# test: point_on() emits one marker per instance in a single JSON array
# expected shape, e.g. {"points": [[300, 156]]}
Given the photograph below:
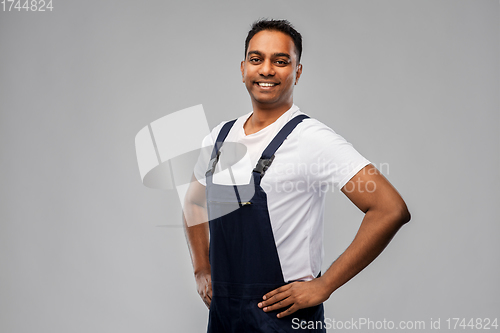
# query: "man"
{"points": [[263, 270]]}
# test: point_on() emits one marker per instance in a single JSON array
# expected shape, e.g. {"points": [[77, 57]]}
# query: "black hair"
{"points": [[276, 25]]}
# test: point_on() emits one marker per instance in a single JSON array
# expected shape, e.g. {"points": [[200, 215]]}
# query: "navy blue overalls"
{"points": [[243, 256]]}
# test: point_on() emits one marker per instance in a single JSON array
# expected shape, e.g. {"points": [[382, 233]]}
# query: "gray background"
{"points": [[83, 244]]}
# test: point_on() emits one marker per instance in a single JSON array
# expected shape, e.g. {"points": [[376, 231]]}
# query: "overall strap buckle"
{"points": [[263, 164], [213, 164]]}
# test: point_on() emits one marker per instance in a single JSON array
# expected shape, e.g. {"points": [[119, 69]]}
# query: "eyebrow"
{"points": [[279, 54]]}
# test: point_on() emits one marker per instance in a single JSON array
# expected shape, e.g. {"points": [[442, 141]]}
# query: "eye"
{"points": [[281, 62], [254, 60]]}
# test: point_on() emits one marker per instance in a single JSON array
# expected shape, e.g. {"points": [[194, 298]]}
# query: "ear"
{"points": [[242, 68], [298, 73]]}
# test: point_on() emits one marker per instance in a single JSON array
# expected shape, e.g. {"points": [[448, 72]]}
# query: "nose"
{"points": [[266, 69]]}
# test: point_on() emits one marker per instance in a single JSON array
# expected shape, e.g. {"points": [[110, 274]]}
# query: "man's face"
{"points": [[270, 69]]}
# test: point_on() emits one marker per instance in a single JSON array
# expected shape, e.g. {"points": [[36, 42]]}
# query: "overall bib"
{"points": [[243, 256]]}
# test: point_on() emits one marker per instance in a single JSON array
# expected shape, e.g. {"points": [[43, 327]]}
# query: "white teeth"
{"points": [[265, 84]]}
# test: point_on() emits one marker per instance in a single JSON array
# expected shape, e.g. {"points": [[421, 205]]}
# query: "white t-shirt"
{"points": [[309, 162]]}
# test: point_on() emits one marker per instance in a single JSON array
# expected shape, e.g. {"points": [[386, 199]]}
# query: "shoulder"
{"points": [[311, 124], [312, 130]]}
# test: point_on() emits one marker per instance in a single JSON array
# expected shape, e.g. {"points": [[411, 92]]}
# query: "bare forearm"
{"points": [[374, 234], [197, 237]]}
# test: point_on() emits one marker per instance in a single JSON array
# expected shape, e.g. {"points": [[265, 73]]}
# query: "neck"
{"points": [[263, 116]]}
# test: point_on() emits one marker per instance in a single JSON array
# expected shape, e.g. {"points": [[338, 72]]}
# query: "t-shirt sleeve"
{"points": [[331, 159]]}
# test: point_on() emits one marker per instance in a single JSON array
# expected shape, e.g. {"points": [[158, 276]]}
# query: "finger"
{"points": [[275, 298], [207, 288], [279, 305], [288, 311], [209, 291], [207, 299], [207, 303], [276, 291]]}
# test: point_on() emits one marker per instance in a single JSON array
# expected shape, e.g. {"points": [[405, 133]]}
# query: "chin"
{"points": [[266, 100]]}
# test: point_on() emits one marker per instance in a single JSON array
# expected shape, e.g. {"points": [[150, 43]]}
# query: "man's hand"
{"points": [[297, 294], [204, 286]]}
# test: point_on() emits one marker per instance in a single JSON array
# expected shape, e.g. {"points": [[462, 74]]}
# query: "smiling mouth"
{"points": [[266, 84]]}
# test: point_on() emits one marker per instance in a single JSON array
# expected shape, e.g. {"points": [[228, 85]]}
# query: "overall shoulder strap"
{"points": [[218, 143], [267, 156]]}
